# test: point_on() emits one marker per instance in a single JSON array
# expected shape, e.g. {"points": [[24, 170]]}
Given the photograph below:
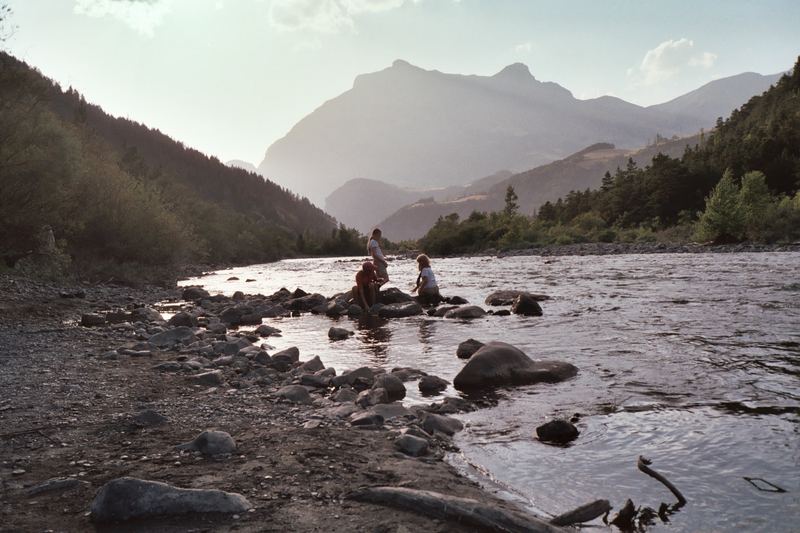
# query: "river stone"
{"points": [[465, 312], [345, 395], [182, 319], [432, 385], [195, 293], [210, 443], [118, 316], [305, 303], [290, 354], [400, 310], [238, 296], [366, 419], [557, 431], [146, 314], [55, 485], [467, 348], [456, 300], [294, 393], [314, 380], [335, 309], [265, 330], [392, 410], [525, 305], [506, 297], [441, 311], [126, 498], [443, 424], [498, 364], [393, 385], [349, 378], [411, 445], [407, 373], [90, 320], [172, 337], [312, 365], [354, 311], [211, 379], [393, 295], [372, 397], [339, 334]]}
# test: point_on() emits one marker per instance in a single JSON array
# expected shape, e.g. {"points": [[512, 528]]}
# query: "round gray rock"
{"points": [[210, 442], [467, 348], [465, 312]]}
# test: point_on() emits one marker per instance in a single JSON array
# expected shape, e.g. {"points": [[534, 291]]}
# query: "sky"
{"points": [[229, 77]]}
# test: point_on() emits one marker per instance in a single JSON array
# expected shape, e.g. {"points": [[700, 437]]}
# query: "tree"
{"points": [[512, 206], [722, 219], [754, 203]]}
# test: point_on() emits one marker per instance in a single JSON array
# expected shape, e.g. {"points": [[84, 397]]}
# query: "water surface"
{"points": [[692, 360]]}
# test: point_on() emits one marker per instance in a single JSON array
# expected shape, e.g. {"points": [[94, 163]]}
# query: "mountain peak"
{"points": [[401, 63], [517, 71]]}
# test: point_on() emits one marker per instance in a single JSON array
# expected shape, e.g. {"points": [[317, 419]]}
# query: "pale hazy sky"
{"points": [[229, 77]]}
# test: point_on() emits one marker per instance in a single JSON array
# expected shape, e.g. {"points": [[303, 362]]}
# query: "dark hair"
{"points": [[377, 230]]}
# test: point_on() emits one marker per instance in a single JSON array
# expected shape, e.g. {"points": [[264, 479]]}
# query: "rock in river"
{"points": [[525, 305], [498, 364], [467, 348], [126, 498], [210, 443], [400, 310], [466, 311], [507, 297], [432, 385], [339, 334], [195, 293], [443, 424], [558, 431], [393, 385]]}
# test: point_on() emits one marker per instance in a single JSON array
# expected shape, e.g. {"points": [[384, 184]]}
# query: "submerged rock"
{"points": [[499, 364], [400, 310], [210, 442], [432, 385], [467, 348], [506, 297], [126, 498], [465, 312], [339, 334], [558, 431], [525, 305]]}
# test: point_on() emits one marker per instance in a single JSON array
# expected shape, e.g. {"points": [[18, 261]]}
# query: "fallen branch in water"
{"points": [[643, 465], [462, 510], [584, 513]]}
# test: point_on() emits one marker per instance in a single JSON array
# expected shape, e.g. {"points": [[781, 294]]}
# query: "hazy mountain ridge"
{"points": [[412, 127]]}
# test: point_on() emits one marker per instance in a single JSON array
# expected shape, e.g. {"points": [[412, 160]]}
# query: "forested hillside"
{"points": [[116, 192], [757, 149]]}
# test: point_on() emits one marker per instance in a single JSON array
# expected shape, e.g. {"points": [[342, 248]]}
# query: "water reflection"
{"points": [[427, 329], [375, 334]]}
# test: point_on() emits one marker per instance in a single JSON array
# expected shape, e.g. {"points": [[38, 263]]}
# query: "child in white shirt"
{"points": [[426, 282]]}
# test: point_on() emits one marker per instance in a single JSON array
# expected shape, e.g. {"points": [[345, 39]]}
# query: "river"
{"points": [[691, 360]]}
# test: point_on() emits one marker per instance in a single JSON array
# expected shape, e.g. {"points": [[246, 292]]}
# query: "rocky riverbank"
{"points": [[102, 389], [616, 248]]}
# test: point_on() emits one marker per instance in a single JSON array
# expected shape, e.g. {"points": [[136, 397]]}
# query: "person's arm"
{"points": [[362, 297]]}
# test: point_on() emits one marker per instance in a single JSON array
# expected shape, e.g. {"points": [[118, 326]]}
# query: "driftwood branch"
{"points": [[584, 513], [462, 510], [644, 465]]}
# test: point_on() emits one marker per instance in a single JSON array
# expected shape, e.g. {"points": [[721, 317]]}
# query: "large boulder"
{"points": [[525, 305], [126, 498], [506, 297], [393, 385], [400, 310], [498, 364], [393, 296], [465, 312]]}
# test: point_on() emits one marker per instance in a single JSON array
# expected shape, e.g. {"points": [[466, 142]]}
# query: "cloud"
{"points": [[141, 15], [524, 48], [669, 59], [325, 16]]}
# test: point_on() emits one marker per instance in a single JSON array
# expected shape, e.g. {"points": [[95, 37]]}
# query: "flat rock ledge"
{"points": [[500, 364], [128, 498]]}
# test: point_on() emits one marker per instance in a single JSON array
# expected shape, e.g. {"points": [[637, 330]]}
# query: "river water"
{"points": [[692, 360]]}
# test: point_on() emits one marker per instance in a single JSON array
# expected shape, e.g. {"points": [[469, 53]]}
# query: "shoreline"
{"points": [[600, 248], [74, 416]]}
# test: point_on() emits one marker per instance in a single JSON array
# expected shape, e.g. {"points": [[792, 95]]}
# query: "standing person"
{"points": [[426, 282], [374, 249], [364, 293]]}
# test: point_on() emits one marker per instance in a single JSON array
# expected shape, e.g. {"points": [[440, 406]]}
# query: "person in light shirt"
{"points": [[426, 285], [374, 249]]}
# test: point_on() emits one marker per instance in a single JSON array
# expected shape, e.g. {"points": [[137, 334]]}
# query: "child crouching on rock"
{"points": [[426, 286], [367, 283]]}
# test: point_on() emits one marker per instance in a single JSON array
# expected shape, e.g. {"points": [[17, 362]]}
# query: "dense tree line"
{"points": [[757, 150], [117, 193]]}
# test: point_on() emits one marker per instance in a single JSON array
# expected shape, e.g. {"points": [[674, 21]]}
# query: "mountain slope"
{"points": [[112, 190], [411, 127], [582, 170], [719, 97]]}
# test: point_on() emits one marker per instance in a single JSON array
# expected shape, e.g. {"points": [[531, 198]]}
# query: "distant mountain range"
{"points": [[424, 129], [582, 170]]}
